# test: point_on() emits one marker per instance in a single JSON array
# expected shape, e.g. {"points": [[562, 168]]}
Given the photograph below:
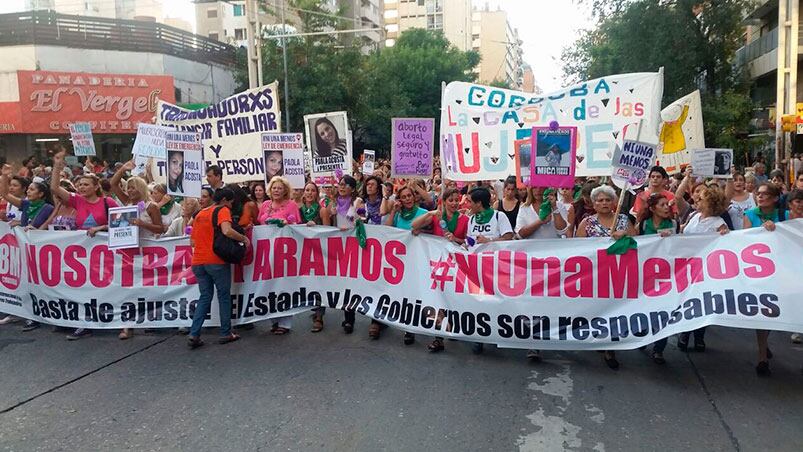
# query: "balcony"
{"points": [[759, 57], [64, 30]]}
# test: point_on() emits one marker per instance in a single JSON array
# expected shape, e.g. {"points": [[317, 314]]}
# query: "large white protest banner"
{"points": [[480, 124], [231, 130], [681, 131], [548, 296]]}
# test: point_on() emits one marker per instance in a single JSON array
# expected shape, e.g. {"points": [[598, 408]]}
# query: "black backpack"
{"points": [[229, 250]]}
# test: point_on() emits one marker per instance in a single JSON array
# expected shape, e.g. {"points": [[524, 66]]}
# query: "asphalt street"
{"points": [[328, 391]]}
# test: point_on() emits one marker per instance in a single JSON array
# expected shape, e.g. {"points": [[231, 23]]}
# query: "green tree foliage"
{"points": [[406, 81], [693, 40]]}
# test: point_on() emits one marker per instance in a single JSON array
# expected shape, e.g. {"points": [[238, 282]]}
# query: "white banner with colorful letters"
{"points": [[231, 130], [480, 124], [545, 294]]}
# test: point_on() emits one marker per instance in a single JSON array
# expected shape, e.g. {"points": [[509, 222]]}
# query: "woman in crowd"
{"points": [[244, 211], [313, 213], [344, 213], [778, 178], [377, 203], [280, 207], [750, 183], [63, 216], [657, 217], [136, 194], [327, 139], [150, 216], [211, 272], [604, 223], [91, 209], [565, 206], [582, 208], [740, 199], [446, 222], [17, 187], [35, 208], [168, 206], [509, 204], [486, 225], [538, 219], [258, 194], [766, 214], [405, 211], [206, 197], [178, 227], [711, 204], [687, 199]]}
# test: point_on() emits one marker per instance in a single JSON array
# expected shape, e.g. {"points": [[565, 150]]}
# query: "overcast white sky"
{"points": [[545, 26]]}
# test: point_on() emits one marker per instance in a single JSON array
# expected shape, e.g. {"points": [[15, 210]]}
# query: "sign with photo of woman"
{"points": [[185, 169], [328, 143]]}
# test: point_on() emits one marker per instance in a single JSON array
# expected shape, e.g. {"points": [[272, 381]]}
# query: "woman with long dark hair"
{"points": [[327, 139]]}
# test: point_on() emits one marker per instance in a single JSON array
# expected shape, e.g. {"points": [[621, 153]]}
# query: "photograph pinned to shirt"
{"points": [[712, 162], [123, 233], [523, 154], [328, 143], [553, 163], [368, 160], [185, 166], [81, 136], [283, 154]]}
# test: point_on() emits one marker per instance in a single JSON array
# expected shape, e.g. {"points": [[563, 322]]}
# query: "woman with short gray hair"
{"points": [[604, 223]]}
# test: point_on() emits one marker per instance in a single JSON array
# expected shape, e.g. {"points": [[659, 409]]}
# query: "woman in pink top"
{"points": [[91, 209], [279, 206]]}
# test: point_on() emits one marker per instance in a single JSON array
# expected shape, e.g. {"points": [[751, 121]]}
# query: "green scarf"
{"points": [[772, 216], [622, 246], [649, 227], [165, 209], [546, 207], [359, 232], [408, 215], [451, 224], [310, 213], [33, 209], [484, 216]]}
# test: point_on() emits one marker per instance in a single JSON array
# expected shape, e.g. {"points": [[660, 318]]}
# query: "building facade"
{"points": [[56, 69], [150, 10], [771, 41], [453, 17], [499, 46]]}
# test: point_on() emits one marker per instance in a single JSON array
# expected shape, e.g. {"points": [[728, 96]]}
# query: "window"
{"points": [[214, 35], [211, 13], [239, 10], [239, 34]]}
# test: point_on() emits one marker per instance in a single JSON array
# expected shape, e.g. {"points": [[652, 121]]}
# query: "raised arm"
{"points": [[55, 179], [4, 176], [115, 181]]}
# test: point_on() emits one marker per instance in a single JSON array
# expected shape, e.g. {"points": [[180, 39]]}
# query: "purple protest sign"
{"points": [[412, 141]]}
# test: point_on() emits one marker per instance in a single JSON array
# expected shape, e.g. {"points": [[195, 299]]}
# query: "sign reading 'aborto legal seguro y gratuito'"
{"points": [[412, 142]]}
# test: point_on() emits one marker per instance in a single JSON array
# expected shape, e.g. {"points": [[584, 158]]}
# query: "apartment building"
{"points": [[365, 14], [453, 17], [150, 10], [499, 46]]}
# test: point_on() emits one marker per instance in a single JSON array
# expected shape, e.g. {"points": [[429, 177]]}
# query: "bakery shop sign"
{"points": [[111, 103]]}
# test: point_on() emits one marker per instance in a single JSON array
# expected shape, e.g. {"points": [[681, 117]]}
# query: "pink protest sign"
{"points": [[553, 157], [412, 141]]}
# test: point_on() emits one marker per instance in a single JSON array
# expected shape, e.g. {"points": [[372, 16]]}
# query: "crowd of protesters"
{"points": [[54, 195]]}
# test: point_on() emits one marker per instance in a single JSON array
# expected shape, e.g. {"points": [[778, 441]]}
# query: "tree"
{"points": [[406, 81], [693, 40]]}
